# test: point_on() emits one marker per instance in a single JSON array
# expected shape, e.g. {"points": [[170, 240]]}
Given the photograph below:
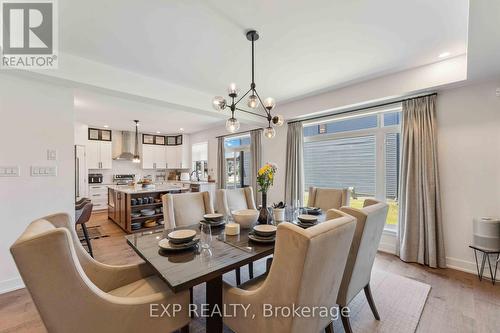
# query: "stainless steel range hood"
{"points": [[125, 145]]}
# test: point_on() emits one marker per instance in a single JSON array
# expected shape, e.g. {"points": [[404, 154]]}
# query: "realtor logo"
{"points": [[28, 34]]}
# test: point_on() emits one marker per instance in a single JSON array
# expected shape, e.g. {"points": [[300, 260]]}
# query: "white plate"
{"points": [[261, 240], [213, 217], [264, 230], [166, 245]]}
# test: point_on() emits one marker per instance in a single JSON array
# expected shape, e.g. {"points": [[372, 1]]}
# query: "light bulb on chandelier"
{"points": [[269, 132], [232, 125]]}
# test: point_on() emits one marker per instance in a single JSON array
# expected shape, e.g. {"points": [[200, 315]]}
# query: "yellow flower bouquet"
{"points": [[265, 176]]}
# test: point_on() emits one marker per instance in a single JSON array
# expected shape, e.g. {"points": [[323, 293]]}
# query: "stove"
{"points": [[123, 179]]}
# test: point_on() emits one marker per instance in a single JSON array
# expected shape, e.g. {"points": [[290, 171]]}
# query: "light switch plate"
{"points": [[51, 154], [43, 171], [9, 171]]}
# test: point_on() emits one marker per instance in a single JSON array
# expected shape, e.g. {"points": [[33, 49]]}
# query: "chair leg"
{"points": [[345, 321], [87, 239], [250, 270], [185, 329], [329, 328], [269, 262], [238, 276], [190, 302], [369, 297]]}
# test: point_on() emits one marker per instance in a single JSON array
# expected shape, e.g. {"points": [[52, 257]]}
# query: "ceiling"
{"points": [[99, 110], [305, 46]]}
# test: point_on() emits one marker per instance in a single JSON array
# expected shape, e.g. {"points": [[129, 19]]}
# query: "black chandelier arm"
{"points": [[268, 112], [250, 112], [243, 96]]}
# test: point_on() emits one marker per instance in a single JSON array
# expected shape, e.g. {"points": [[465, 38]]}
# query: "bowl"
{"points": [[264, 230], [213, 217], [307, 218], [181, 236], [246, 218]]}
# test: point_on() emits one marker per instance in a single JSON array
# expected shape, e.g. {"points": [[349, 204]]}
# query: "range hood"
{"points": [[125, 145]]}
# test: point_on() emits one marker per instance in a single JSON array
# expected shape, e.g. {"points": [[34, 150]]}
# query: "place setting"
{"points": [[263, 233], [179, 240], [312, 211], [213, 220], [306, 221]]}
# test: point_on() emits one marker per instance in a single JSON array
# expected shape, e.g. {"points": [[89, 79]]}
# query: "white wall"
{"points": [[469, 164], [35, 116]]}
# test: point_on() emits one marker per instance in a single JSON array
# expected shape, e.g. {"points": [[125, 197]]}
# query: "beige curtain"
{"points": [[256, 160], [221, 164], [420, 236], [294, 171]]}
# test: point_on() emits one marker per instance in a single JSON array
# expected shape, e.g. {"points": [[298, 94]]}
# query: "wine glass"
{"points": [[206, 235]]}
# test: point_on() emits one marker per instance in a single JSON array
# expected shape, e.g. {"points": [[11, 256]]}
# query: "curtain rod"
{"points": [[239, 133], [361, 108]]}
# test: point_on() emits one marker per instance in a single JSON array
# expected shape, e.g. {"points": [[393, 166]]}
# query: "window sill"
{"points": [[390, 231]]}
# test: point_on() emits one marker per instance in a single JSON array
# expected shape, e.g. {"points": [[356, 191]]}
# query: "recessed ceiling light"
{"points": [[181, 129], [106, 126], [158, 132], [444, 55]]}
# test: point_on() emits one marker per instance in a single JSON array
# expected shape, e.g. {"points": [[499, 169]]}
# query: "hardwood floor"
{"points": [[458, 302]]}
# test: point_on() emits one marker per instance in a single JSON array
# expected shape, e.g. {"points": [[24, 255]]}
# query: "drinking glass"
{"points": [[206, 235]]}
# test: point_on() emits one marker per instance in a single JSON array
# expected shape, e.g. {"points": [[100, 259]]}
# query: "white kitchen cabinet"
{"points": [[99, 154], [154, 157], [98, 194]]}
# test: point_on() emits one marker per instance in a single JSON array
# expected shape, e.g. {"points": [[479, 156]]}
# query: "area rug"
{"points": [[94, 233], [399, 300]]}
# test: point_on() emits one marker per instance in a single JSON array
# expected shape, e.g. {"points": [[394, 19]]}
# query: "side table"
{"points": [[486, 256]]}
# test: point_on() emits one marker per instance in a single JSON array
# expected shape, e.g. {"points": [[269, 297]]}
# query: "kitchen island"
{"points": [[137, 209]]}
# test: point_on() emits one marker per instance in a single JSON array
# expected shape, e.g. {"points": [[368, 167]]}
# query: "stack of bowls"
{"points": [[263, 233], [306, 221], [215, 220], [179, 240]]}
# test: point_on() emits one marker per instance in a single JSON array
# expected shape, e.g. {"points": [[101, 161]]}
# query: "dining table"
{"points": [[182, 270]]}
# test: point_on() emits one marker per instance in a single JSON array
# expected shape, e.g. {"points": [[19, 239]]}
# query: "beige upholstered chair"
{"points": [[371, 220], [299, 275], [235, 199], [186, 208], [75, 293], [328, 198]]}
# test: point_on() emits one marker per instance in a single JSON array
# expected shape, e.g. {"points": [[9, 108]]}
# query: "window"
{"points": [[360, 151], [199, 157], [237, 153]]}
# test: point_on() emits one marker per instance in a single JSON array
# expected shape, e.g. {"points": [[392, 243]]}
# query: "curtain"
{"points": [[256, 160], [294, 170], [221, 164], [420, 236]]}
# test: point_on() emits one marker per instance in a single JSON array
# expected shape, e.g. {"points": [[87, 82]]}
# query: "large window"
{"points": [[237, 153], [359, 151]]}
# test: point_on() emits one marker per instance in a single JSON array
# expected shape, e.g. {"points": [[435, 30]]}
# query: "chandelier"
{"points": [[232, 124]]}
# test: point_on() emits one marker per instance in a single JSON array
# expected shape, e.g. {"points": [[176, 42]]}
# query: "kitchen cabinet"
{"points": [[98, 194], [154, 157], [178, 157], [99, 154]]}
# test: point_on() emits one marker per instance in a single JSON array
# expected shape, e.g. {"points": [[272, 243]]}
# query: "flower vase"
{"points": [[264, 212]]}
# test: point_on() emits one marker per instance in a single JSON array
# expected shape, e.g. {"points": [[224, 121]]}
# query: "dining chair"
{"points": [[306, 271], [229, 200], [185, 209], [371, 221], [328, 198], [75, 293], [82, 216]]}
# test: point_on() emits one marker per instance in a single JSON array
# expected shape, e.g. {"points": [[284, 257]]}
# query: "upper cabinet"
{"points": [[171, 155], [99, 154]]}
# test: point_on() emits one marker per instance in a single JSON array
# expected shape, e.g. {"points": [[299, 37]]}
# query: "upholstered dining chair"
{"points": [[185, 209], [229, 200], [371, 220], [75, 293], [328, 198], [299, 276]]}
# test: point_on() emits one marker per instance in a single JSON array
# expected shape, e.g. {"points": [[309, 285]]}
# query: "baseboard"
{"points": [[387, 248], [470, 267], [10, 285]]}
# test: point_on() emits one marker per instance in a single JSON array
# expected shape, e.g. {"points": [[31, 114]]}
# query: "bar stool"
{"points": [[82, 214]]}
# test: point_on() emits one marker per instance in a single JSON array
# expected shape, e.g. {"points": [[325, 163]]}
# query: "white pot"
{"points": [[279, 214]]}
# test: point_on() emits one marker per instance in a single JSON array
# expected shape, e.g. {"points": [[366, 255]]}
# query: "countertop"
{"points": [[138, 188], [201, 182]]}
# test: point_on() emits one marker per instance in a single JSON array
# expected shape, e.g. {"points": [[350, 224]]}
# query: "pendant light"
{"points": [[219, 103], [137, 158]]}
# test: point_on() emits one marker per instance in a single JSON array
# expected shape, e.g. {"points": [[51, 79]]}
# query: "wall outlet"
{"points": [[51, 154], [9, 171], [43, 171]]}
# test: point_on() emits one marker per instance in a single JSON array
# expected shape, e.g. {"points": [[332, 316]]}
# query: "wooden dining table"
{"points": [[189, 268], [186, 269]]}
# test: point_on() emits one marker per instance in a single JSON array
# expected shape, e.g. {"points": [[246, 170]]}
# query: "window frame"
{"points": [[379, 132]]}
